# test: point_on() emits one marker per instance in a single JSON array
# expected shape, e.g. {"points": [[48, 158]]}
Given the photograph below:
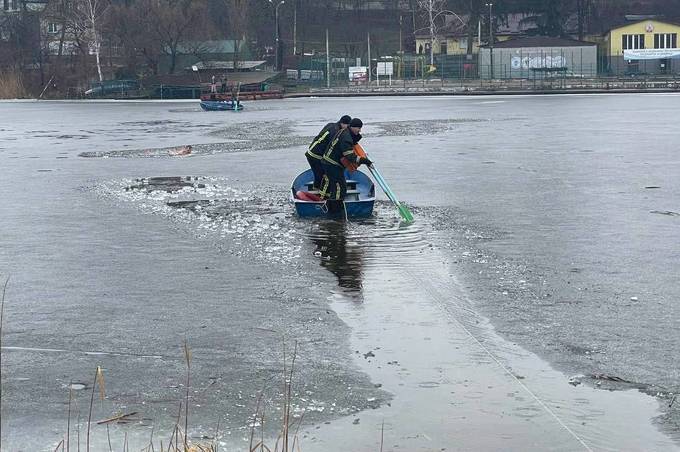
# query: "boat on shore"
{"points": [[358, 202]]}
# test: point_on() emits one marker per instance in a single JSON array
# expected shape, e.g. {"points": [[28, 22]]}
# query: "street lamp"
{"points": [[276, 16], [490, 5]]}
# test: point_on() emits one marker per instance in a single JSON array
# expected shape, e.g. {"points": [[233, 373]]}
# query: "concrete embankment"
{"points": [[496, 87]]}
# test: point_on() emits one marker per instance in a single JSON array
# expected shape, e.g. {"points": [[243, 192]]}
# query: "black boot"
{"points": [[336, 209]]}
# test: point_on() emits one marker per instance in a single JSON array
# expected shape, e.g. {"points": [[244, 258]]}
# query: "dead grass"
{"points": [[179, 441], [284, 438], [11, 85], [2, 314]]}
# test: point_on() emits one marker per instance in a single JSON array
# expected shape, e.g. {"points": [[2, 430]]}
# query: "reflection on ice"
{"points": [[337, 254]]}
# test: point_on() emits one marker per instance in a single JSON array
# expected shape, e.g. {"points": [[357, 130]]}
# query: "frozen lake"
{"points": [[541, 272]]}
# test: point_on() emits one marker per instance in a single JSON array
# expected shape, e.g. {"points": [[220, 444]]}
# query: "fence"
{"points": [[616, 65], [557, 68], [312, 70], [583, 62], [536, 63]]}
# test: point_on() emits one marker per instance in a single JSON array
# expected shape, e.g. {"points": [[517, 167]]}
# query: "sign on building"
{"points": [[651, 54], [385, 68], [537, 61], [307, 75]]}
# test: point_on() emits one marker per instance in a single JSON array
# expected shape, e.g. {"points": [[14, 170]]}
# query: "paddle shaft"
{"points": [[238, 92], [378, 177], [403, 211]]}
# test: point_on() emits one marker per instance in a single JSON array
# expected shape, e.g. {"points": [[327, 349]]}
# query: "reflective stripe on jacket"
{"points": [[341, 146], [320, 142]]}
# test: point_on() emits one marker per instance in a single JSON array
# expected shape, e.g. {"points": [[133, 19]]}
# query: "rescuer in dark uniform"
{"points": [[333, 184], [316, 150]]}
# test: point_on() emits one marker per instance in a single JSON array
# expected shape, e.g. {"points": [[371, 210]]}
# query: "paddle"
{"points": [[235, 101], [403, 210]]}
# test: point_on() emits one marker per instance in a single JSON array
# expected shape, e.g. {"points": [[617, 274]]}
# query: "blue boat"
{"points": [[220, 105], [358, 202]]}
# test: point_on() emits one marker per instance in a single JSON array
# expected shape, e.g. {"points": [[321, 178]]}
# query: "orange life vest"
{"points": [[351, 166]]}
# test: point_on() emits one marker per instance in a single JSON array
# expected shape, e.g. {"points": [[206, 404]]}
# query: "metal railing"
{"points": [[564, 69]]}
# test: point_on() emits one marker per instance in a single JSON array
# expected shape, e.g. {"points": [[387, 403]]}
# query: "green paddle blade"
{"points": [[405, 213], [403, 210]]}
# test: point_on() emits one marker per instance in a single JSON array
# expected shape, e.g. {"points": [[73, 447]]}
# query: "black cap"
{"points": [[356, 122], [345, 119]]}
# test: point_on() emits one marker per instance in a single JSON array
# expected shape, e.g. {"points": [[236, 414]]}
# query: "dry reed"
{"points": [[179, 439], [98, 380], [11, 85], [187, 357], [68, 422], [61, 444], [2, 315]]}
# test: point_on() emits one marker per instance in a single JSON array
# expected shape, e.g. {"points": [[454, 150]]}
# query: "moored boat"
{"points": [[221, 105]]}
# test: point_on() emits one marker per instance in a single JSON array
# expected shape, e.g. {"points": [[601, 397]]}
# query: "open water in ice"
{"points": [[554, 217]]}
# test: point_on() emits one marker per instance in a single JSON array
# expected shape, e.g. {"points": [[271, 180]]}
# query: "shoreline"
{"points": [[418, 91], [534, 92]]}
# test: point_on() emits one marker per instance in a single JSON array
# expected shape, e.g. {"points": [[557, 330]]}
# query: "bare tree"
{"points": [[175, 20], [130, 24], [13, 53], [431, 8], [86, 16], [473, 23], [238, 23], [238, 16], [150, 29], [435, 18], [63, 23], [547, 17]]}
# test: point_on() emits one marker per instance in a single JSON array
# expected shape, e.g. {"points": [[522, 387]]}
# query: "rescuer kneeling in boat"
{"points": [[341, 148], [320, 143]]}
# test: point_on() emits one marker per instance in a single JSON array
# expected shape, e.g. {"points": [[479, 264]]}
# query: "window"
{"points": [[52, 27], [665, 40], [443, 48], [632, 42], [9, 5]]}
